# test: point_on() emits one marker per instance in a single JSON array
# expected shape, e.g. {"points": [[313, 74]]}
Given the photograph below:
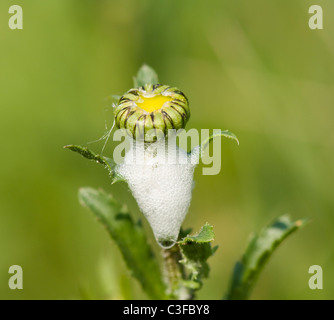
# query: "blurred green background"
{"points": [[253, 67]]}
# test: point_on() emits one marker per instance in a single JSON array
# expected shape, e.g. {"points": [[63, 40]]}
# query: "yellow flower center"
{"points": [[151, 104]]}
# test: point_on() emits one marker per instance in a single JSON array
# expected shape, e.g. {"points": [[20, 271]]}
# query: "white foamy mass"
{"points": [[161, 183]]}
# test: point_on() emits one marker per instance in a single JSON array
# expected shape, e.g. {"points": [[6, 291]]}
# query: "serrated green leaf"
{"points": [[129, 237], [205, 235], [108, 163], [145, 75], [195, 251], [258, 252]]}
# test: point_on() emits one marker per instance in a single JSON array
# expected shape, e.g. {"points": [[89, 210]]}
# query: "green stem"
{"points": [[174, 274]]}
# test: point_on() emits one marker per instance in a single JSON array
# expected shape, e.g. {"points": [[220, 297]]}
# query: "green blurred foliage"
{"points": [[253, 67]]}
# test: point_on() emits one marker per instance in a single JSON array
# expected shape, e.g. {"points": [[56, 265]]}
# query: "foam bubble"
{"points": [[162, 189]]}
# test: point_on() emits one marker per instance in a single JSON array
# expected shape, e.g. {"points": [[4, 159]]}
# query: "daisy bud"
{"points": [[152, 107]]}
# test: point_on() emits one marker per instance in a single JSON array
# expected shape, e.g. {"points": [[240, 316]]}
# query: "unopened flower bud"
{"points": [[152, 107]]}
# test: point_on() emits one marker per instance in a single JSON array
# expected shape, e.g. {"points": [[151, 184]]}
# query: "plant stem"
{"points": [[174, 274]]}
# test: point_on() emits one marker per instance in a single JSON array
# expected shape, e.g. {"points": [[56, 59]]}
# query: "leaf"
{"points": [[108, 163], [145, 75], [205, 235], [199, 150], [195, 251], [224, 133], [129, 237], [258, 252]]}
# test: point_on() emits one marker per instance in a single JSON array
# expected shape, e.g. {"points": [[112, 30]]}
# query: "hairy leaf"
{"points": [[108, 163], [258, 252], [130, 238], [205, 235], [195, 251]]}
